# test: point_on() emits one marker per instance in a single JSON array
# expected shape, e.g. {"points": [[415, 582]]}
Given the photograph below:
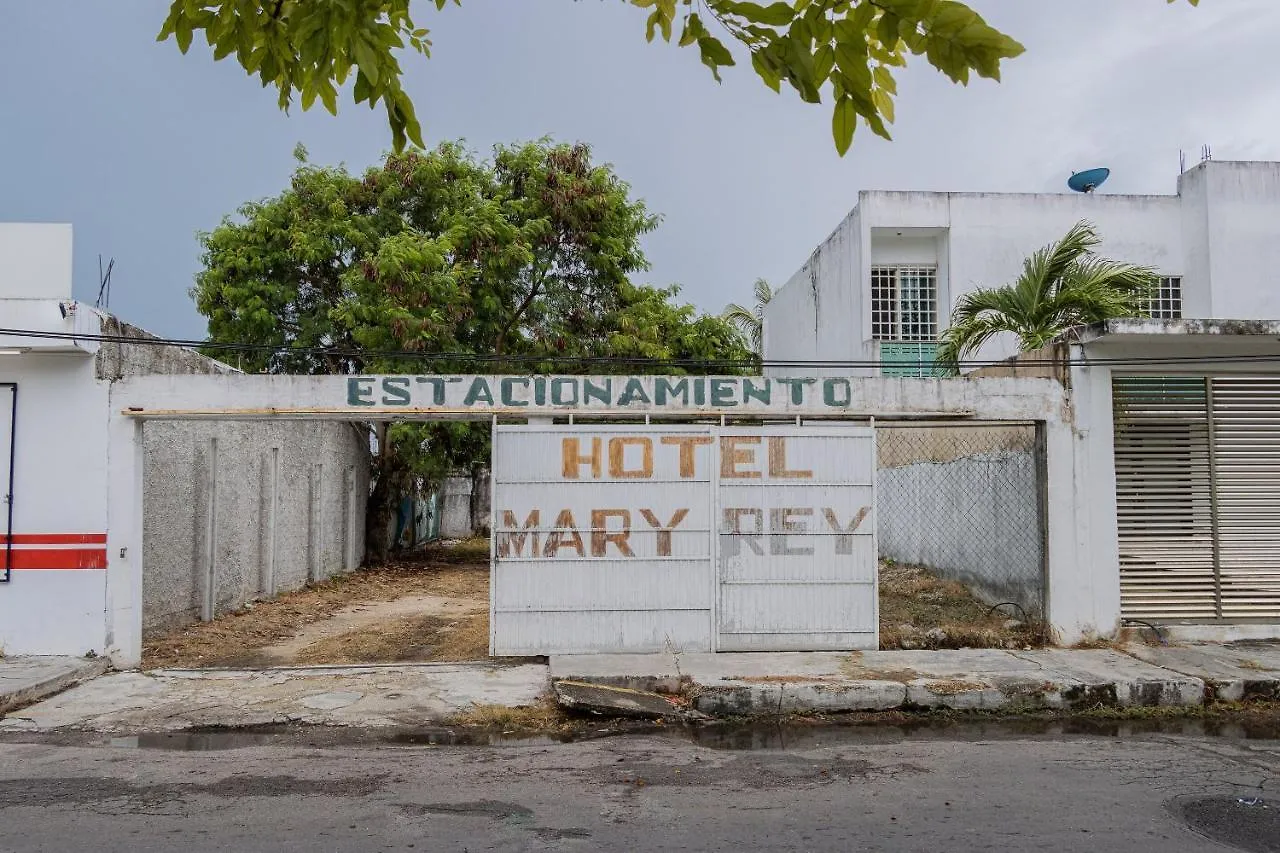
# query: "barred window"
{"points": [[904, 303], [1166, 302]]}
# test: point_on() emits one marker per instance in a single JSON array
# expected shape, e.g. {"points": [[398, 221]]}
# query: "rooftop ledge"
{"points": [[1148, 327]]}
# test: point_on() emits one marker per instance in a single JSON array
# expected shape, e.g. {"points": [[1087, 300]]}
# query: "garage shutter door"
{"points": [[1198, 497]]}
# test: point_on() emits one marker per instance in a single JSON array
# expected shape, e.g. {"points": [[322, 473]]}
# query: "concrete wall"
{"points": [[276, 504], [974, 519], [53, 603], [465, 505], [117, 359], [816, 315], [1221, 234], [1232, 233]]}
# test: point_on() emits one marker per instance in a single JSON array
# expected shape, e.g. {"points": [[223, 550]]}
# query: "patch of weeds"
{"points": [[919, 610], [543, 716]]}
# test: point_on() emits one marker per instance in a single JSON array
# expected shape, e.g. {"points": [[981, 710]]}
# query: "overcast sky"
{"points": [[140, 148]]}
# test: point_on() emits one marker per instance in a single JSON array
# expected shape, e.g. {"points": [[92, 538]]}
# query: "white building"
{"points": [[233, 510], [881, 288]]}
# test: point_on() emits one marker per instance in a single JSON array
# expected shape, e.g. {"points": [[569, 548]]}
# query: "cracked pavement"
{"points": [[829, 789]]}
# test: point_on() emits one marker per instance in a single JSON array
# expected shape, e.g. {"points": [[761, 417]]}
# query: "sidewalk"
{"points": [[363, 696], [24, 680], [727, 684]]}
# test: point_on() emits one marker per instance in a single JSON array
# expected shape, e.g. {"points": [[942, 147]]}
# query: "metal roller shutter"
{"points": [[1246, 444], [1198, 497]]}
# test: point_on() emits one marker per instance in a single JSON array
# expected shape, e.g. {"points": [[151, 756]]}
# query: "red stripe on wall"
{"points": [[54, 558], [54, 539]]}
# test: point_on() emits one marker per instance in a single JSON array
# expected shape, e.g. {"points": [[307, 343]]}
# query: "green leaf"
{"points": [[767, 72], [884, 79], [883, 104], [774, 15], [714, 54], [329, 97], [182, 32], [692, 29], [844, 119], [823, 61], [363, 90], [367, 60]]}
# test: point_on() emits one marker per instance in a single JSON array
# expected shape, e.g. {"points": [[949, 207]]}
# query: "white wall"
{"points": [[1221, 234], [989, 235], [35, 261], [816, 315], [60, 473], [1241, 206]]}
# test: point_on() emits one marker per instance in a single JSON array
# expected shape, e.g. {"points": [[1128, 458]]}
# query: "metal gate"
{"points": [[8, 426], [1198, 496], [797, 543], [683, 537]]}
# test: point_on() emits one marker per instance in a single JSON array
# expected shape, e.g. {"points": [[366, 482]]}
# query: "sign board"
{"points": [[683, 537], [531, 396]]}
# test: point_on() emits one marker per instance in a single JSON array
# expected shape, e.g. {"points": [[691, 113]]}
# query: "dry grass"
{"points": [[912, 596], [953, 687], [410, 638], [237, 639], [545, 716]]}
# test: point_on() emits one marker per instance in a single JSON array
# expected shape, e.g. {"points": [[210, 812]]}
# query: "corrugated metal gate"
{"points": [[1198, 496], [682, 537]]}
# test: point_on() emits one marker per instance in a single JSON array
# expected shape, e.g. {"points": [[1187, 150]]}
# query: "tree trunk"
{"points": [[379, 507]]}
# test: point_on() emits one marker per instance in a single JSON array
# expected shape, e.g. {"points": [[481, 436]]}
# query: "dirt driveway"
{"points": [[434, 606], [430, 607]]}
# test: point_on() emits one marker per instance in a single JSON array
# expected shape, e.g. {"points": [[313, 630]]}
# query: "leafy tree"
{"points": [[750, 321], [439, 254], [1062, 285], [847, 49]]}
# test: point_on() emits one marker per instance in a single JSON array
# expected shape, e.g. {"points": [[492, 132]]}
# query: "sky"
{"points": [[141, 148]]}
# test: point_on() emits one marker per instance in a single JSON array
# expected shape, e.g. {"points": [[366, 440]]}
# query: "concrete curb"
{"points": [[26, 680], [1231, 673], [963, 680]]}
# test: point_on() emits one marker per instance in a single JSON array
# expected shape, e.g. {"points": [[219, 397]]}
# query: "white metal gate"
{"points": [[1198, 496], [797, 545], [685, 538]]}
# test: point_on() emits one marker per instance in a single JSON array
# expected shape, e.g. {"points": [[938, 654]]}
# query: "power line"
{"points": [[519, 358]]}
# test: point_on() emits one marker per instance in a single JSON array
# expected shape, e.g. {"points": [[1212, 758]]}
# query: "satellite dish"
{"points": [[1087, 181]]}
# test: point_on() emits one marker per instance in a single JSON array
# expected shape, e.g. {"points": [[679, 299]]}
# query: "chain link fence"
{"points": [[966, 502]]}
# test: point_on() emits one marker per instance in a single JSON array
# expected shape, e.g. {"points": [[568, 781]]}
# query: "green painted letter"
{"points": [[360, 391]]}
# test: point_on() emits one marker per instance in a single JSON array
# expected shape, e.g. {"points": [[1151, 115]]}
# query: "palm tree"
{"points": [[1062, 285], [751, 322]]}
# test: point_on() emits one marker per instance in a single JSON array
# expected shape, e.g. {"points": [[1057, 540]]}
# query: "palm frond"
{"points": [[1061, 285]]}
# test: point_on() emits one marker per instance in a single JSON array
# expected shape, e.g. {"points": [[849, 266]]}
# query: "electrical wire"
{"points": [[515, 358]]}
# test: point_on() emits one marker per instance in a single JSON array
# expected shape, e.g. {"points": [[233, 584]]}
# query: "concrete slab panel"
{"points": [[363, 696], [1232, 672]]}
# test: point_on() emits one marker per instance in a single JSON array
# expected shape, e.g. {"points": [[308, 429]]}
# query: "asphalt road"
{"points": [[809, 789]]}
